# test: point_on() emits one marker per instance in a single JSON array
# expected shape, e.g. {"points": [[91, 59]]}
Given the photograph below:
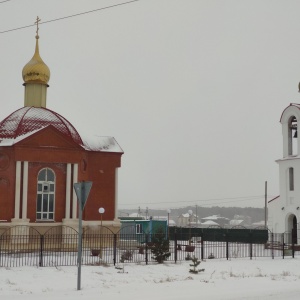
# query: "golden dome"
{"points": [[36, 70]]}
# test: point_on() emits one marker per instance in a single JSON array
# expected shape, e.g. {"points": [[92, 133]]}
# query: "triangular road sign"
{"points": [[82, 190]]}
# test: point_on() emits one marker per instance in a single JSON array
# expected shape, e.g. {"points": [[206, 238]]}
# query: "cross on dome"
{"points": [[37, 26]]}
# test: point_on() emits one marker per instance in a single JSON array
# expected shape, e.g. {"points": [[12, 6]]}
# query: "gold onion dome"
{"points": [[36, 71]]}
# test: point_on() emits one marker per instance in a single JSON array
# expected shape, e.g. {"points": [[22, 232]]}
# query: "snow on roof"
{"points": [[260, 223], [28, 119], [209, 223], [214, 217], [101, 143], [134, 215], [11, 141], [165, 218], [235, 222], [187, 215], [172, 223], [96, 143]]}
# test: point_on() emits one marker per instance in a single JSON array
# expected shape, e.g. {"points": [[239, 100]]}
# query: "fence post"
{"points": [[272, 244], [146, 248], [175, 246], [115, 248], [282, 238], [227, 246], [41, 250], [251, 245], [202, 246], [293, 242]]}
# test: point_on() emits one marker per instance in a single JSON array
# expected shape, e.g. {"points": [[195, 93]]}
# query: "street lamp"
{"points": [[101, 212], [168, 211]]}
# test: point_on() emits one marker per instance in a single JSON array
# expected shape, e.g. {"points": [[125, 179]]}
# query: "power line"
{"points": [[4, 1], [71, 16], [231, 199]]}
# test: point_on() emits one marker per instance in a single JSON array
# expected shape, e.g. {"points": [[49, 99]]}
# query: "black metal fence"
{"points": [[26, 246]]}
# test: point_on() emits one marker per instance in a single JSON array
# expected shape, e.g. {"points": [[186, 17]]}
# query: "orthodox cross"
{"points": [[37, 25]]}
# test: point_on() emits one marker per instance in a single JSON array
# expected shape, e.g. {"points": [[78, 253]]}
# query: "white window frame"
{"points": [[139, 228], [45, 201]]}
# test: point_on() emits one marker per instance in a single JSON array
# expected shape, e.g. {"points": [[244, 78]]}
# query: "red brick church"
{"points": [[42, 155]]}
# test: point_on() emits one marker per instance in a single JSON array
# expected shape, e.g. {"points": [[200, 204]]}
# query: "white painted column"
{"points": [[25, 190], [116, 192], [286, 141], [75, 180], [17, 190], [68, 191]]}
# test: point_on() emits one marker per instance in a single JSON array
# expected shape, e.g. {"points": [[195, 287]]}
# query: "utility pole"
{"points": [[147, 213], [266, 216], [197, 215]]}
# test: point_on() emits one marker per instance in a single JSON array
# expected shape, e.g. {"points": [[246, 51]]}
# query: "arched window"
{"points": [[45, 195]]}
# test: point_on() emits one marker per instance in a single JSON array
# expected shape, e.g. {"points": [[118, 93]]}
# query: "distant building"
{"points": [[209, 223], [142, 227], [246, 219], [185, 220], [258, 224], [222, 221], [236, 222]]}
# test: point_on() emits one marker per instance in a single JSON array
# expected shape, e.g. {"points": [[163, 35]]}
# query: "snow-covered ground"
{"points": [[262, 278]]}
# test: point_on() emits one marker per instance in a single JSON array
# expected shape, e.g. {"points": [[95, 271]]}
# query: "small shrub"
{"points": [[127, 255], [195, 264], [160, 248], [188, 257]]}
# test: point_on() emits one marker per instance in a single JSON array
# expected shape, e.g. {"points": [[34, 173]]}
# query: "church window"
{"points": [[45, 195], [291, 178]]}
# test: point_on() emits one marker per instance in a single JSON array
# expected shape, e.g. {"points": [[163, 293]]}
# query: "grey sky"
{"points": [[192, 90]]}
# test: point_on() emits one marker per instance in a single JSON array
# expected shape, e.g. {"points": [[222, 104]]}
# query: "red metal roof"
{"points": [[28, 119]]}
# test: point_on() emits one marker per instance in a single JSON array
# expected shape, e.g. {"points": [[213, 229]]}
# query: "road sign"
{"points": [[82, 190]]}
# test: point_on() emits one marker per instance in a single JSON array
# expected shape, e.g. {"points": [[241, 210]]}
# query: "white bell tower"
{"points": [[284, 211]]}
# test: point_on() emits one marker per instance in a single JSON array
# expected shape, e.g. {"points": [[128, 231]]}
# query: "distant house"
{"points": [[235, 222], [247, 220], [258, 224], [222, 221], [186, 220]]}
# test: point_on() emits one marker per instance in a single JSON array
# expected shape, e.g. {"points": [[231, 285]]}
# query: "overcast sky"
{"points": [[192, 90]]}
